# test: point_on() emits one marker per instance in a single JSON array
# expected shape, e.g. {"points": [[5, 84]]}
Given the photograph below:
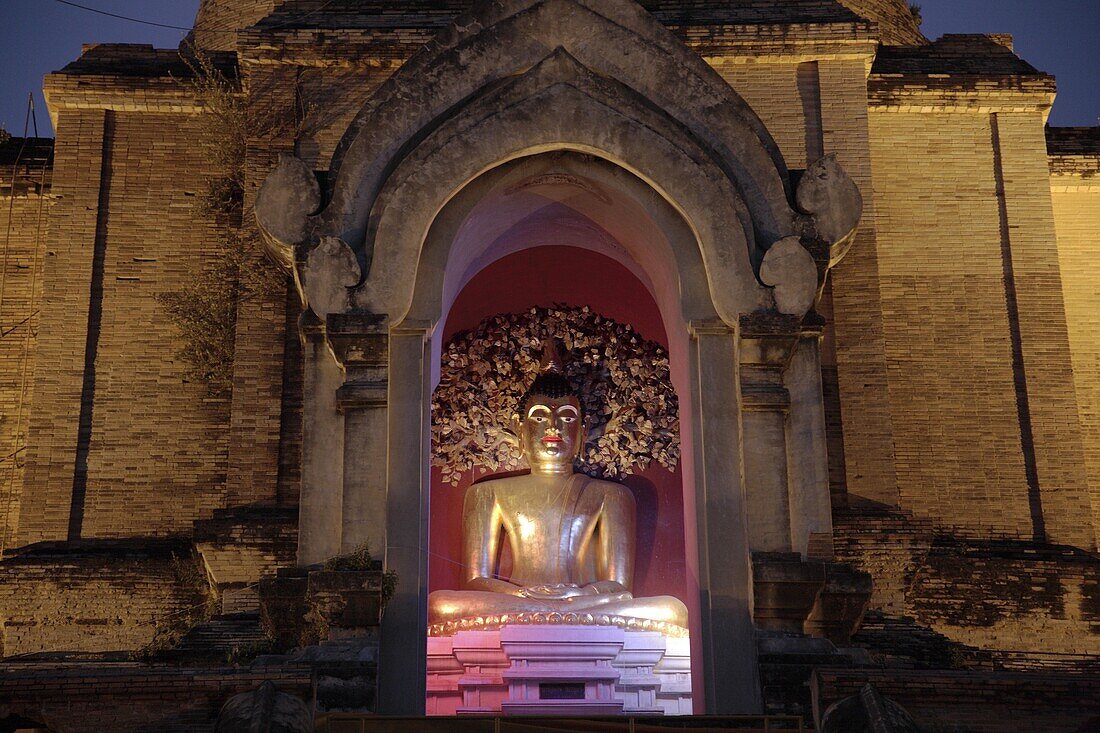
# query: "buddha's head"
{"points": [[550, 420]]}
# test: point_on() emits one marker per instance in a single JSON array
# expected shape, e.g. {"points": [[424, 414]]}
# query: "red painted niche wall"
{"points": [[573, 276]]}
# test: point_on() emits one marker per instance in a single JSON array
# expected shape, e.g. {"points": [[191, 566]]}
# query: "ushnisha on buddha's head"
{"points": [[549, 419]]}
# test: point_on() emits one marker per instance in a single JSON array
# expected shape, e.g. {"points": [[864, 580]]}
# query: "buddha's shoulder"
{"points": [[488, 487], [606, 488]]}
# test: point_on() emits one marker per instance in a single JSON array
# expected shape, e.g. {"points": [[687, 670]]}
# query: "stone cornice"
{"points": [[130, 78], [389, 48], [1074, 173], [960, 93], [101, 91], [789, 50]]}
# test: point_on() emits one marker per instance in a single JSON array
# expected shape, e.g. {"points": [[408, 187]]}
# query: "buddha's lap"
{"points": [[450, 605]]}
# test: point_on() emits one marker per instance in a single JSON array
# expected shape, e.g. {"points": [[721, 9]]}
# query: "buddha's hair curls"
{"points": [[554, 386], [551, 381]]}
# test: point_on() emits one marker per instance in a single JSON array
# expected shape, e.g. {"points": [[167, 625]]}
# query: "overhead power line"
{"points": [[122, 17], [204, 29]]}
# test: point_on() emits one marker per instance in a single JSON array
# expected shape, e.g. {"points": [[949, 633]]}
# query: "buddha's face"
{"points": [[550, 433]]}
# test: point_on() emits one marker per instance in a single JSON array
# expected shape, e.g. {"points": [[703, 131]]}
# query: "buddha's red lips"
{"points": [[551, 439]]}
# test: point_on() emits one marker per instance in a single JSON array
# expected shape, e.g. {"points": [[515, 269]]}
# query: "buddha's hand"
{"points": [[607, 587], [553, 591]]}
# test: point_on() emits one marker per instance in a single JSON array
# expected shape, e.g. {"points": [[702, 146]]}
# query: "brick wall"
{"points": [[59, 368], [92, 597], [24, 215], [261, 335], [218, 21], [991, 594], [265, 437], [889, 544], [976, 343], [116, 431], [1075, 191], [947, 335], [1054, 426], [859, 323], [989, 702], [332, 97], [240, 546], [896, 23], [1009, 596], [157, 453], [785, 96], [133, 698]]}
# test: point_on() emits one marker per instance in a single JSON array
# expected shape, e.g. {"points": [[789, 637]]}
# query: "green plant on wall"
{"points": [[190, 576], [236, 269], [316, 628], [361, 559]]}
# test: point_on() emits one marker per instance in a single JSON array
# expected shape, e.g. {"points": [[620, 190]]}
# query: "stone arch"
{"points": [[668, 261], [678, 265], [675, 260], [560, 106], [509, 82], [614, 40]]}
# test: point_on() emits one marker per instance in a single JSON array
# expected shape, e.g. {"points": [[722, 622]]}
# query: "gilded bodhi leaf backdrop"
{"points": [[623, 380]]}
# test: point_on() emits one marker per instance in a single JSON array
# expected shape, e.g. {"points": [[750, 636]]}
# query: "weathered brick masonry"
{"points": [[961, 356], [126, 697], [989, 702], [93, 596], [26, 171], [989, 594], [1075, 193]]}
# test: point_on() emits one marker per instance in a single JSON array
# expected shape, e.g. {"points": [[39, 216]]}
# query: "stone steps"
{"points": [[221, 638]]}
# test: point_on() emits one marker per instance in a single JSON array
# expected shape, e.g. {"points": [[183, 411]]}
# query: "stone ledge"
{"points": [[823, 599], [983, 702]]}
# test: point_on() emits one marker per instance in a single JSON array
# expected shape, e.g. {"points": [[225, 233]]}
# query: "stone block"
{"points": [[348, 600], [841, 604], [785, 590]]}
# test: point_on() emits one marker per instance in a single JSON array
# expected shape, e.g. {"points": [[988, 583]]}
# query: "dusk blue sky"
{"points": [[1059, 37]]}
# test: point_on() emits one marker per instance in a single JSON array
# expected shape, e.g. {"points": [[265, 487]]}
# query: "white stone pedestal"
{"points": [[559, 669], [674, 671]]}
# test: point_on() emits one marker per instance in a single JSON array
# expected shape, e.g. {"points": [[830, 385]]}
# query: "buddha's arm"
{"points": [[615, 542], [481, 525]]}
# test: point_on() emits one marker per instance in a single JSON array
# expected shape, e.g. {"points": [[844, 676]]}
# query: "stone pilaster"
{"points": [[402, 688], [360, 342], [321, 504], [807, 452], [729, 665]]}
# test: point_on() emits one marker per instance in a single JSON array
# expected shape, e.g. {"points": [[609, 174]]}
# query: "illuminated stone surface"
{"points": [[559, 670]]}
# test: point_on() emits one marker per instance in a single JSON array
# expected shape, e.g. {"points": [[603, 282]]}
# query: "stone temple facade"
{"points": [[875, 264]]}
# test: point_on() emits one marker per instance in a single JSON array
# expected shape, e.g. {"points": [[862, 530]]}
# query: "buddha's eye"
{"points": [[568, 419]]}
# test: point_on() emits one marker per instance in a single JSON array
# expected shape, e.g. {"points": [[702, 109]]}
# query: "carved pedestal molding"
{"points": [[559, 670]]}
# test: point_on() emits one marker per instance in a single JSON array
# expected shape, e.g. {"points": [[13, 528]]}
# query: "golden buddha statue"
{"points": [[571, 537]]}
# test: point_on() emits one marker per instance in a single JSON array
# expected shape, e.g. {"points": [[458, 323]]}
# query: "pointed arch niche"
{"points": [[572, 227], [579, 123], [567, 228]]}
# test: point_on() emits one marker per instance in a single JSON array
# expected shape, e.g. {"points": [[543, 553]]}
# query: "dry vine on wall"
{"points": [[205, 310], [623, 379]]}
